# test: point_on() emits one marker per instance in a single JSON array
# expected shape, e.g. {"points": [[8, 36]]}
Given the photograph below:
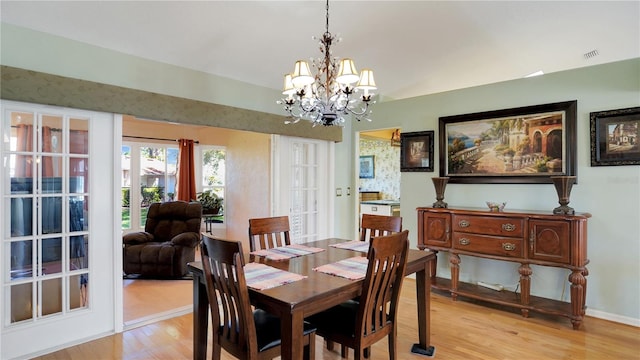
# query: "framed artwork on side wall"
{"points": [[367, 167], [416, 151], [614, 137]]}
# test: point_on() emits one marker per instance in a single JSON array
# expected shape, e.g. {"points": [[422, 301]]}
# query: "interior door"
{"points": [[302, 179], [57, 228]]}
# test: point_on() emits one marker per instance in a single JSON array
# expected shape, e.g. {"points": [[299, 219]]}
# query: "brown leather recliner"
{"points": [[168, 243]]}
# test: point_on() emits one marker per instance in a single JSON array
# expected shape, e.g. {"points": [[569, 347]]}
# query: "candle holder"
{"points": [[563, 186], [440, 183]]}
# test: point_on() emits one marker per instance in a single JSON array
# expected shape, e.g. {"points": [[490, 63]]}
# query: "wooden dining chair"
{"points": [[243, 332], [379, 225], [267, 233], [371, 226], [360, 324]]}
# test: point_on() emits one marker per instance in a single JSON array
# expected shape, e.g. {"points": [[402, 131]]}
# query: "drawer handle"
{"points": [[464, 223], [508, 227], [509, 246], [464, 241]]}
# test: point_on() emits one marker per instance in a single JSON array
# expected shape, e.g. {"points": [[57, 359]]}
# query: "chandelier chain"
{"points": [[327, 26]]}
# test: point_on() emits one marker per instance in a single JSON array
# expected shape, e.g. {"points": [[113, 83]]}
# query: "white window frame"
{"points": [[200, 186]]}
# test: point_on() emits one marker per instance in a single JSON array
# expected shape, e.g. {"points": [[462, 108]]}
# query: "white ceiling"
{"points": [[414, 47]]}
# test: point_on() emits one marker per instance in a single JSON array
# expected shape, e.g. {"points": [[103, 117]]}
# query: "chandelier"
{"points": [[328, 96]]}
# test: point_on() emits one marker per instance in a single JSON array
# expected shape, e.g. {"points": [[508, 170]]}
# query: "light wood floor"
{"points": [[459, 330], [144, 299]]}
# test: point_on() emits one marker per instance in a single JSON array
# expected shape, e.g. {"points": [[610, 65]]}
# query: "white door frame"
{"points": [[101, 316]]}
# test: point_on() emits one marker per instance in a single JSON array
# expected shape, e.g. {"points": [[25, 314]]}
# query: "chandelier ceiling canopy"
{"points": [[332, 93]]}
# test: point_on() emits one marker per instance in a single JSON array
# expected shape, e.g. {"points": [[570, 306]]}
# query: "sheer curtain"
{"points": [[186, 187]]}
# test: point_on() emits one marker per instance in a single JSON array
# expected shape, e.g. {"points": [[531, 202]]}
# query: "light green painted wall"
{"points": [[34, 50], [610, 193], [46, 69]]}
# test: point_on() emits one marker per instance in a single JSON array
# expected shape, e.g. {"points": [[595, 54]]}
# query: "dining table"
{"points": [[315, 292]]}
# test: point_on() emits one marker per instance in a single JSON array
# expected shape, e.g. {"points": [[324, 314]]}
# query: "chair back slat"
{"points": [[267, 233], [383, 281], [379, 225]]}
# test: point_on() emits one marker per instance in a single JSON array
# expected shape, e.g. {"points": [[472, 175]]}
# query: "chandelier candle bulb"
{"points": [[347, 73], [289, 89], [366, 82], [301, 74]]}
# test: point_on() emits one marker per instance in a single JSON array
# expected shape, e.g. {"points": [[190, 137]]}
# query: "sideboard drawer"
{"points": [[489, 225], [499, 246]]}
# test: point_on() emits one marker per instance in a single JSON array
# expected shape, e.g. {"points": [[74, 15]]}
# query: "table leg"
{"points": [[423, 295], [200, 318], [292, 326]]}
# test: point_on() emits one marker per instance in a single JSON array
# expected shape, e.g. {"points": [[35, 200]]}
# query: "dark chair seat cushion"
{"points": [[344, 314], [268, 329]]}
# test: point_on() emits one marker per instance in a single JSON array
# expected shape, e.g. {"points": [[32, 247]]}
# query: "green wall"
{"points": [[67, 73], [610, 193]]}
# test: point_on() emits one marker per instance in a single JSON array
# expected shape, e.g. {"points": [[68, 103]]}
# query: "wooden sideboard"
{"points": [[525, 237]]}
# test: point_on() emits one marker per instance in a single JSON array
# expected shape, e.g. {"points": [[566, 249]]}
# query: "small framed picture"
{"points": [[367, 167], [416, 151], [614, 137]]}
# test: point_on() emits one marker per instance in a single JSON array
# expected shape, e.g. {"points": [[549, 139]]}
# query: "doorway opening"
{"points": [[379, 172]]}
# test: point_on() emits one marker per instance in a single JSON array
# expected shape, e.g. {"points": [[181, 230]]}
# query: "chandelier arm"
{"points": [[358, 113], [307, 109]]}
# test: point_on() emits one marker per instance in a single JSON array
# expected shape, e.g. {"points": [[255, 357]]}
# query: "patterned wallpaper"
{"points": [[387, 168]]}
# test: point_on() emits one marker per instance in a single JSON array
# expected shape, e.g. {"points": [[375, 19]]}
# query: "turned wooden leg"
{"points": [[578, 291], [454, 260], [585, 273], [525, 286]]}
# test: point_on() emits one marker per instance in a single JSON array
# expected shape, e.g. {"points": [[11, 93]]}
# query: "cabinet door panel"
{"points": [[436, 228], [549, 241]]}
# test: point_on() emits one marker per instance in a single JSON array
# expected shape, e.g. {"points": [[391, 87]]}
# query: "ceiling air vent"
{"points": [[590, 54]]}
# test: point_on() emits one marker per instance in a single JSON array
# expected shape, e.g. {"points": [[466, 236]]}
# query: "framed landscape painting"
{"points": [[614, 137], [523, 145]]}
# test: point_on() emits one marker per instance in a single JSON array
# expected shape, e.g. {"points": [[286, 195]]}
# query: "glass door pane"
{"points": [[125, 162], [45, 235], [304, 192]]}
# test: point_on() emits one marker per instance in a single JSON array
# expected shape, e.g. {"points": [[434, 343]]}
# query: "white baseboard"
{"points": [[187, 309], [63, 346], [613, 317]]}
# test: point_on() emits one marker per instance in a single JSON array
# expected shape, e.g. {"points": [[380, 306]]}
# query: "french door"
{"points": [[302, 179], [54, 220]]}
